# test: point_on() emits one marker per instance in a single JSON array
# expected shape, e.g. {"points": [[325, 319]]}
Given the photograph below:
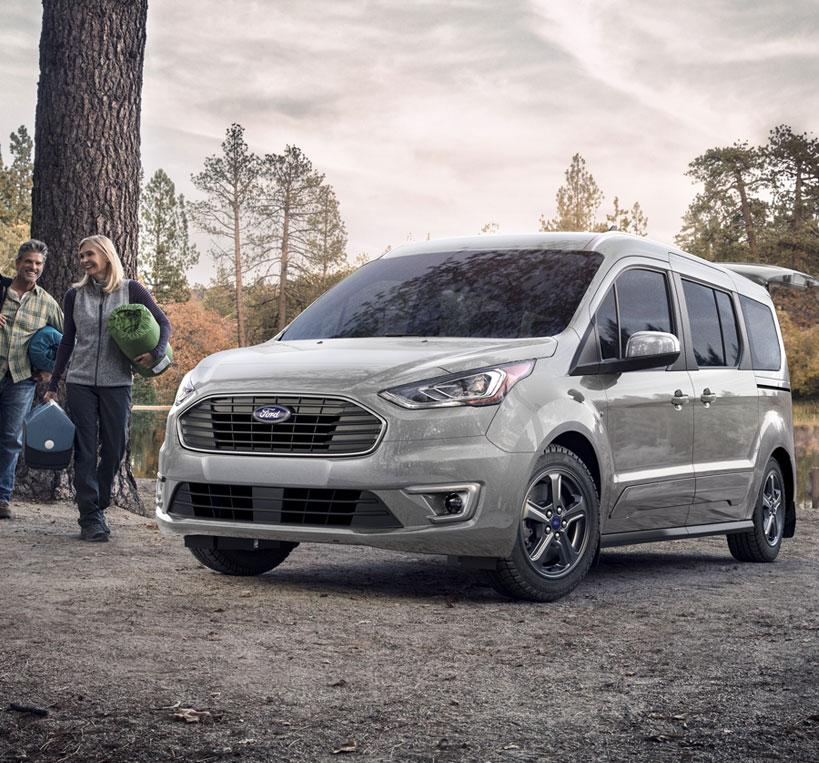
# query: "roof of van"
{"points": [[611, 244]]}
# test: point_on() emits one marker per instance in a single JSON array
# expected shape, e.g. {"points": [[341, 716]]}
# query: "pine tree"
{"points": [[291, 203], [731, 178], [166, 253], [327, 239], [15, 197], [578, 200], [627, 220], [232, 185]]}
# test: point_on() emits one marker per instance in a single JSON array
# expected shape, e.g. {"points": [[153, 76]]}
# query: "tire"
{"points": [[243, 562], [762, 544], [556, 541]]}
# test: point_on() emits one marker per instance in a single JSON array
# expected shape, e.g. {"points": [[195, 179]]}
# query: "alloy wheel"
{"points": [[555, 524], [773, 513]]}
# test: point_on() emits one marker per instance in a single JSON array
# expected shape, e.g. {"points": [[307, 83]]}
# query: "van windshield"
{"points": [[504, 294]]}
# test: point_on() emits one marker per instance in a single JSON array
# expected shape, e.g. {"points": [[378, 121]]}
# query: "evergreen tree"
{"points": [[626, 220], [578, 200], [731, 179], [327, 238], [291, 205], [15, 197], [166, 253], [232, 185]]}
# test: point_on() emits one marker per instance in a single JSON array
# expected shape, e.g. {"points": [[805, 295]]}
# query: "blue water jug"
{"points": [[48, 435]]}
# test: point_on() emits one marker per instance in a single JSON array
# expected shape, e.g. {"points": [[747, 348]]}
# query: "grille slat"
{"points": [[320, 507], [318, 425]]}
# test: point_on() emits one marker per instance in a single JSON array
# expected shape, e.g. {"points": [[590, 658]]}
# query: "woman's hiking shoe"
{"points": [[95, 534]]}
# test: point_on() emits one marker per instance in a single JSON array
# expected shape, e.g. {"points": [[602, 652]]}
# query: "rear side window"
{"points": [[759, 322], [638, 301], [713, 325]]}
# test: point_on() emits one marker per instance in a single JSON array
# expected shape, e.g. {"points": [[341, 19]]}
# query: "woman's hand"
{"points": [[2, 320], [146, 360], [49, 396]]}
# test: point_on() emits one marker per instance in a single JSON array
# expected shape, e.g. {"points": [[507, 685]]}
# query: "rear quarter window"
{"points": [[766, 354]]}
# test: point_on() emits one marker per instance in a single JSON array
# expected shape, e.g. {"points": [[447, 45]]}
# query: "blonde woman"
{"points": [[99, 378]]}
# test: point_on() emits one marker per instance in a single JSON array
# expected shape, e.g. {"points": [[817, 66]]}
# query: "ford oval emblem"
{"points": [[272, 414]]}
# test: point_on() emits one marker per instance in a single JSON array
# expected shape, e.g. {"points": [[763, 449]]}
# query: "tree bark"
{"points": [[745, 209], [285, 251], [87, 166], [237, 265]]}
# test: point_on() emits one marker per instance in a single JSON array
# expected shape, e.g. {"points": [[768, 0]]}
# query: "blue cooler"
{"points": [[48, 435]]}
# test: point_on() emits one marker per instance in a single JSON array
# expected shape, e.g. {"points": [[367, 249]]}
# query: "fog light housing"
{"points": [[446, 503]]}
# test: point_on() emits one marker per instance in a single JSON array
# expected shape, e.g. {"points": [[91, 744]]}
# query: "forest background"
{"points": [[279, 240]]}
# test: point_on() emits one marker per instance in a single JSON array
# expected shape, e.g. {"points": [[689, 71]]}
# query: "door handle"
{"points": [[707, 397], [679, 399]]}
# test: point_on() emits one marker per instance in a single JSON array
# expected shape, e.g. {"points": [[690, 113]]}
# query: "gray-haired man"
{"points": [[24, 309]]}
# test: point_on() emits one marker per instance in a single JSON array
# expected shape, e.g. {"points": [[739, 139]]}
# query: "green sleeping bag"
{"points": [[136, 331]]}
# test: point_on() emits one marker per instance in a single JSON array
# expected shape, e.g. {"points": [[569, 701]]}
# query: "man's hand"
{"points": [[146, 360], [42, 376], [49, 396]]}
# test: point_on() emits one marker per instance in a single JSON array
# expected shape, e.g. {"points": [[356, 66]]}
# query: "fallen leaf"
{"points": [[189, 715], [348, 746], [341, 682]]}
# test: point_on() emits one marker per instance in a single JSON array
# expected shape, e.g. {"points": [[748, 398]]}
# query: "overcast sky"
{"points": [[436, 117]]}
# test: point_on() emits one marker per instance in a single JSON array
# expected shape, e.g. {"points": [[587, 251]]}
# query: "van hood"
{"points": [[344, 364]]}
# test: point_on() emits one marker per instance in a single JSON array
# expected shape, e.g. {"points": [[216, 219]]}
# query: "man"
{"points": [[25, 309]]}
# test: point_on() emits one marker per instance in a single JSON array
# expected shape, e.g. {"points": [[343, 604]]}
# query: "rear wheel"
{"points": [[559, 531], [762, 544], [245, 562]]}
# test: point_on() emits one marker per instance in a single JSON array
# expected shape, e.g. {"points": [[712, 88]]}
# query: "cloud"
{"points": [[438, 117]]}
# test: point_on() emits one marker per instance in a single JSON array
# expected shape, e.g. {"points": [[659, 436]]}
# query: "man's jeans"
{"points": [[15, 403], [101, 417]]}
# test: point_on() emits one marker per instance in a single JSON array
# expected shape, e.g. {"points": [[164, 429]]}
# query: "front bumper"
{"points": [[401, 473]]}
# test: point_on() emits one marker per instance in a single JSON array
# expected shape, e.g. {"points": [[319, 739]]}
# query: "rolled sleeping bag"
{"points": [[135, 332], [42, 349]]}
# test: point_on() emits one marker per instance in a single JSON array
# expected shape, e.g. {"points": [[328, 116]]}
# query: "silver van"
{"points": [[513, 402]]}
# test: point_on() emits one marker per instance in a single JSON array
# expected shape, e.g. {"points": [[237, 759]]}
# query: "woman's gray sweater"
{"points": [[90, 352]]}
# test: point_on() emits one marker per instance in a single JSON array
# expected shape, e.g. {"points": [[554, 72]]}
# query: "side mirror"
{"points": [[644, 349], [652, 344]]}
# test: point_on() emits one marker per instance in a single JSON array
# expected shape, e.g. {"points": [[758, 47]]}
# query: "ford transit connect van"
{"points": [[512, 402]]}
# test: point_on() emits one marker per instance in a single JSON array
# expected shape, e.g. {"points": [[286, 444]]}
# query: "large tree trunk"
{"points": [[237, 267], [86, 159], [283, 265]]}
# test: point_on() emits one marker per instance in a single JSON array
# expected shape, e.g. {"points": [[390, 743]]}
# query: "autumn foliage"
{"points": [[196, 333]]}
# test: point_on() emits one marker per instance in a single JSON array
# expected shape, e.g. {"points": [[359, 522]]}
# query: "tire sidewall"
{"points": [[769, 552], [558, 458]]}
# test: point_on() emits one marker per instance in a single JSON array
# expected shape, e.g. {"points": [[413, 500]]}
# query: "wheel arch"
{"points": [[783, 458], [583, 448]]}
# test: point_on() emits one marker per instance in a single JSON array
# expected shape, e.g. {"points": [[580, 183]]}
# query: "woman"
{"points": [[99, 376]]}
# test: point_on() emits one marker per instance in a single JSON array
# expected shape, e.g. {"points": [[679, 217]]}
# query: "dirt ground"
{"points": [[669, 652]]}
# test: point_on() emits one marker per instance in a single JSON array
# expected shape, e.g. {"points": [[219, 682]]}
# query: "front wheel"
{"points": [[762, 544], [244, 562], [558, 534]]}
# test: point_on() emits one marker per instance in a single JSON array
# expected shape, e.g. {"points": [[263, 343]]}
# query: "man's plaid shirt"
{"points": [[22, 322]]}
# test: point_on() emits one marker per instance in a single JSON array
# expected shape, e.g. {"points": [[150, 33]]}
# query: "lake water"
{"points": [[147, 434], [148, 431]]}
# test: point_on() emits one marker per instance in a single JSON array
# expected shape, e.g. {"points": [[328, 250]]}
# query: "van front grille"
{"points": [[325, 426], [315, 507]]}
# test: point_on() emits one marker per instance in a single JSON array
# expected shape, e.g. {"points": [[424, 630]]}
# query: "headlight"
{"points": [[186, 389], [483, 386]]}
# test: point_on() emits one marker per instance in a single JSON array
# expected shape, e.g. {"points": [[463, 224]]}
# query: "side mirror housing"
{"points": [[644, 349]]}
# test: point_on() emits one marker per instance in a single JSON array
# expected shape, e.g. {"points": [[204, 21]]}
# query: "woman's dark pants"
{"points": [[100, 415]]}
